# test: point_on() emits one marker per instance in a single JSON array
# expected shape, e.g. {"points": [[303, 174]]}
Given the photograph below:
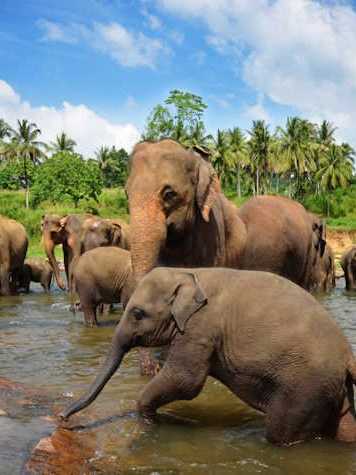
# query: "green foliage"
{"points": [[180, 121], [67, 177], [113, 164]]}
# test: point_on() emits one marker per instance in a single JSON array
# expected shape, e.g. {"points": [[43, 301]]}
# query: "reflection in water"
{"points": [[43, 344]]}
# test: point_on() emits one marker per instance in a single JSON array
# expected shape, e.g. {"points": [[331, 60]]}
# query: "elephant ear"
{"points": [[319, 236], [188, 297], [208, 188], [116, 232]]}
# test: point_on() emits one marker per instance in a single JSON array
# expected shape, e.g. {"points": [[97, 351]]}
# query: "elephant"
{"points": [[323, 266], [100, 276], [348, 264], [35, 270], [13, 249], [179, 217], [264, 337], [63, 230], [98, 232]]}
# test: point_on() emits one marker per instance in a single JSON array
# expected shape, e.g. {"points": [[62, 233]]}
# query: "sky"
{"points": [[96, 68]]}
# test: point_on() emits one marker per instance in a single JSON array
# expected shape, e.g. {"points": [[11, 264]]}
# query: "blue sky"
{"points": [[95, 68]]}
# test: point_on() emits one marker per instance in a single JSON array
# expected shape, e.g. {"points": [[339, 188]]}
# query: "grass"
{"points": [[112, 204]]}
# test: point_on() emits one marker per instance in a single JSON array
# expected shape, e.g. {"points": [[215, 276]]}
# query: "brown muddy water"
{"points": [[44, 346]]}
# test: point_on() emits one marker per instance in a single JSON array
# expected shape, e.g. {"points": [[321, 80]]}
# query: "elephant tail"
{"points": [[350, 382]]}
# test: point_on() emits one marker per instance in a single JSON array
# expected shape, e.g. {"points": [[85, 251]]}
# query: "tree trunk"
{"points": [[257, 182], [27, 195], [238, 181]]}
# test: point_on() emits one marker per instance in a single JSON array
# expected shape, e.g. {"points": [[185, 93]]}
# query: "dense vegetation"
{"points": [[301, 160]]}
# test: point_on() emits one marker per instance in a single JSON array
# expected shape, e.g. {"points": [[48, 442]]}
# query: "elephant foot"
{"points": [[149, 366]]}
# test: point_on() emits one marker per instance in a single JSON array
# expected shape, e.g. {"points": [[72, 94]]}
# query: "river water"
{"points": [[45, 346]]}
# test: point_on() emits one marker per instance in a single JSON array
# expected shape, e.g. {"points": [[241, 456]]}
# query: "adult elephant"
{"points": [[180, 217], [65, 230], [13, 248]]}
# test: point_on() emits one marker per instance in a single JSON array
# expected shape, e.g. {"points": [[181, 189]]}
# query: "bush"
{"points": [[66, 177]]}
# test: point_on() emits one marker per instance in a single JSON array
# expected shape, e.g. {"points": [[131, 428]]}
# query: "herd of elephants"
{"points": [[227, 290]]}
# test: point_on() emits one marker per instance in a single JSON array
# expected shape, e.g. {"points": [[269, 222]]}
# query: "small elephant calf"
{"points": [[35, 270], [265, 338], [100, 277]]}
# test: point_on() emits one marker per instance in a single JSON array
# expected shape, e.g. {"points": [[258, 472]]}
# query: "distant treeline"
{"points": [[301, 159]]}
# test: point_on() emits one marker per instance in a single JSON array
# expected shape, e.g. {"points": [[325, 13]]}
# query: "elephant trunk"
{"points": [[112, 363], [49, 250], [148, 234]]}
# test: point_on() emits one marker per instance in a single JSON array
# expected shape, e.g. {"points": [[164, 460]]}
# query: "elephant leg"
{"points": [[4, 281], [172, 383], [90, 310], [304, 414], [346, 430], [66, 262]]}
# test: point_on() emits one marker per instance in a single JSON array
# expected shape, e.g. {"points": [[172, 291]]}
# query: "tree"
{"points": [[237, 153], [5, 130], [25, 147], [179, 121], [63, 143], [67, 176], [113, 164], [297, 146], [259, 154], [220, 156]]}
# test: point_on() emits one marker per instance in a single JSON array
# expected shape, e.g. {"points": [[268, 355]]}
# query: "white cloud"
{"points": [[299, 53], [257, 111], [153, 22], [55, 32], [177, 37], [126, 48], [81, 123], [129, 49]]}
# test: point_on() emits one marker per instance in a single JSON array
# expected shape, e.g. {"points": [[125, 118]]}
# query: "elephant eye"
{"points": [[138, 313], [168, 194]]}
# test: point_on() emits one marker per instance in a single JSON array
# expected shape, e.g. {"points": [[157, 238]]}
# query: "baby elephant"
{"points": [[262, 336], [35, 270], [100, 276], [348, 264]]}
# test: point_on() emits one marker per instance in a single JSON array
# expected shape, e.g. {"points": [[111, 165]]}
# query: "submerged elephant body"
{"points": [[259, 334], [100, 277], [36, 270], [179, 217], [348, 264], [13, 248]]}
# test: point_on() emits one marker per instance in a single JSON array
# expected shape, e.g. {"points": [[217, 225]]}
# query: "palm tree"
{"points": [[63, 143], [5, 130], [237, 153], [325, 133], [103, 157], [336, 169], [296, 148], [25, 146], [259, 153], [220, 158]]}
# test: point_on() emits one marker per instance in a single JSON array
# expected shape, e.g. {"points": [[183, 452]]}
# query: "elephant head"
{"points": [[97, 232], [53, 233], [161, 306], [168, 189]]}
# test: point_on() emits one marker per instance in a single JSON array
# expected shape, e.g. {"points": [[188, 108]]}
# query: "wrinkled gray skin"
{"points": [[262, 336], [13, 248], [100, 277], [348, 264], [99, 232], [35, 270]]}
